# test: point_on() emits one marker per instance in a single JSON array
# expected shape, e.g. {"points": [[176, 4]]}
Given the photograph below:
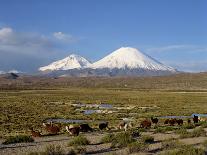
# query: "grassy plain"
{"points": [[27, 102]]}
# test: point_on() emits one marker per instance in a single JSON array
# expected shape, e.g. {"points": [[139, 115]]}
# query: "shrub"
{"points": [[136, 147], [79, 140], [79, 150], [108, 138], [170, 144], [204, 125], [18, 139], [147, 139], [53, 150], [181, 131], [122, 139], [50, 150], [164, 129], [188, 126], [186, 150], [195, 133]]}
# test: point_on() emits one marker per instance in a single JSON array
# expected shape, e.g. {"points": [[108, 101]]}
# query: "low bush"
{"points": [[51, 150], [79, 140], [195, 133], [79, 150], [170, 144], [185, 150], [188, 126], [204, 125], [18, 139], [108, 138], [122, 139], [164, 129], [136, 147], [54, 150], [181, 131]]}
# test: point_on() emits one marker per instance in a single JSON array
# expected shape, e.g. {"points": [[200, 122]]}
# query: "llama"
{"points": [[146, 124], [35, 133], [154, 120], [179, 122], [51, 128], [103, 125], [73, 130], [85, 128]]}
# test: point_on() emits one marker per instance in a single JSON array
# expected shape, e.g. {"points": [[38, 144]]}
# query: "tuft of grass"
{"points": [[204, 125], [185, 150], [170, 144], [122, 139], [108, 138], [136, 147], [164, 129], [78, 141], [195, 133], [147, 139], [181, 131], [79, 149], [18, 139], [188, 126], [54, 150], [51, 150]]}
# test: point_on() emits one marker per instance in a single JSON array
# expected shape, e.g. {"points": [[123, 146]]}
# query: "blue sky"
{"points": [[36, 32]]}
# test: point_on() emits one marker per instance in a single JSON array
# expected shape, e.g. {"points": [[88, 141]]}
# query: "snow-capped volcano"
{"points": [[130, 58], [71, 62]]}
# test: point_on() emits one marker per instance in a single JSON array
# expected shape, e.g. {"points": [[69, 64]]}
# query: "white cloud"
{"points": [[63, 37], [24, 43], [184, 48]]}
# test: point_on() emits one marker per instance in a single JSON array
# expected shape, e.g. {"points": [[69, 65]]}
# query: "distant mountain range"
{"points": [[125, 61]]}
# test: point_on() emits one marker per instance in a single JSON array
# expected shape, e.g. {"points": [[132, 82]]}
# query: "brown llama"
{"points": [[179, 122], [146, 124], [172, 121], [166, 121], [73, 130], [35, 133], [51, 128]]}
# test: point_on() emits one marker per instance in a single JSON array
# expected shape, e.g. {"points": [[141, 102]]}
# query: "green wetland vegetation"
{"points": [[22, 109]]}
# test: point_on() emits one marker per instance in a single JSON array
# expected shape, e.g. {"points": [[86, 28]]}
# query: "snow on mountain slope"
{"points": [[131, 58], [2, 72], [71, 62]]}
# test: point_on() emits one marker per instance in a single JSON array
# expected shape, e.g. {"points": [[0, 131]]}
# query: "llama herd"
{"points": [[75, 129]]}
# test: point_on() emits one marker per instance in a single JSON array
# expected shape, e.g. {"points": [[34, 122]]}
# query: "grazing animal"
{"points": [[202, 119], [154, 120], [51, 128], [146, 124], [73, 130], [172, 122], [195, 119], [125, 125], [179, 121], [121, 125], [35, 133], [85, 128], [189, 121], [103, 125], [166, 121]]}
